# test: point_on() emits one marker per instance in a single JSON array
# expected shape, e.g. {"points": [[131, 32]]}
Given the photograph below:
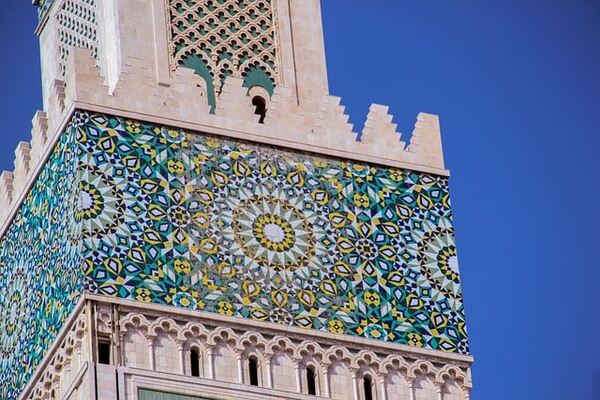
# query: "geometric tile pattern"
{"points": [[321, 244], [160, 215], [252, 231], [40, 278]]}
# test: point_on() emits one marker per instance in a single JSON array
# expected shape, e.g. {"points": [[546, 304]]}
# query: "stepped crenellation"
{"points": [[326, 131]]}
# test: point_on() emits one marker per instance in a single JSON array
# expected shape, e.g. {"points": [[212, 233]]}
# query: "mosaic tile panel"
{"points": [[154, 214], [252, 231], [40, 274]]}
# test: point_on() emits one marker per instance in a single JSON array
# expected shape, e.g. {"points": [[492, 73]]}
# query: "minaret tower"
{"points": [[194, 218]]}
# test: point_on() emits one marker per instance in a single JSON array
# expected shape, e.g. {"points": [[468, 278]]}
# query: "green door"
{"points": [[146, 394]]}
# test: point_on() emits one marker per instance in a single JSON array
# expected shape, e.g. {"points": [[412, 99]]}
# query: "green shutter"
{"points": [[146, 394]]}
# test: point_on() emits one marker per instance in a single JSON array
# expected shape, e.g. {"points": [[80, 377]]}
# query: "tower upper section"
{"points": [[216, 64], [266, 43], [189, 155]]}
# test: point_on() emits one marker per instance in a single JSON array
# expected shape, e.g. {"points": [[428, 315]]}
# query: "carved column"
{"points": [[78, 352], [150, 340], [383, 388], [298, 376], [355, 385], [326, 383], [211, 364], [180, 350], [240, 368], [268, 370], [411, 388]]}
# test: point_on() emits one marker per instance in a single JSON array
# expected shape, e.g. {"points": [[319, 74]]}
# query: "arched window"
{"points": [[260, 108], [368, 387], [311, 380], [253, 370], [195, 362]]}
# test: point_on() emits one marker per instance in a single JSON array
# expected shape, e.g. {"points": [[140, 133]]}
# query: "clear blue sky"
{"points": [[517, 85]]}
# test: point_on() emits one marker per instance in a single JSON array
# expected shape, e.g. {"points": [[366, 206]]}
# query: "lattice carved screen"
{"points": [[77, 27], [232, 37]]}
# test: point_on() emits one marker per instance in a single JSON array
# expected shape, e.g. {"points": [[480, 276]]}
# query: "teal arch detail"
{"points": [[257, 77], [200, 68], [254, 77]]}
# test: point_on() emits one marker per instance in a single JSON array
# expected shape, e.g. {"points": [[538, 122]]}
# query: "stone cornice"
{"points": [[288, 331]]}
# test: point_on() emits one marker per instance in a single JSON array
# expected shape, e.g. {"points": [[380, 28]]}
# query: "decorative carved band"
{"points": [[161, 345], [389, 371], [65, 364]]}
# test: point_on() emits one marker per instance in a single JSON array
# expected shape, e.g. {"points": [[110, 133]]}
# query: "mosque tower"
{"points": [[195, 218]]}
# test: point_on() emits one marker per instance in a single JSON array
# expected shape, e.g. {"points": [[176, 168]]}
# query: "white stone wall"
{"points": [[340, 381], [451, 391], [425, 388], [106, 381], [135, 349], [166, 355], [282, 370], [225, 361], [397, 386]]}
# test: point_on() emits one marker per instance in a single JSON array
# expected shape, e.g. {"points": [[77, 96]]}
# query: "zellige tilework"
{"points": [[40, 268], [150, 213], [261, 233]]}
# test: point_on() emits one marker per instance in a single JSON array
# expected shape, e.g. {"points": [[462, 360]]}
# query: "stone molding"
{"points": [[359, 362], [210, 318], [22, 167]]}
